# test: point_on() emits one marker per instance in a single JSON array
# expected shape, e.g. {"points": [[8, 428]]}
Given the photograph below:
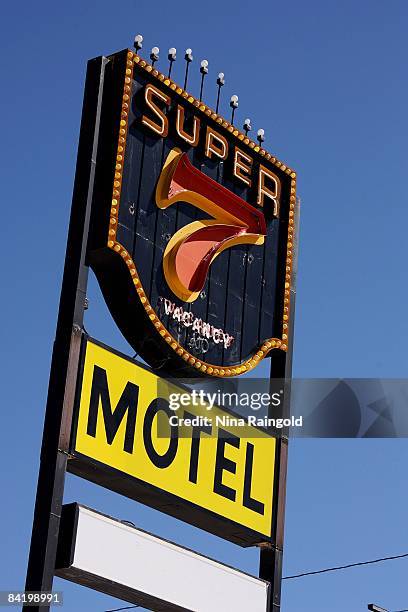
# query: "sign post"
{"points": [[271, 557], [66, 350]]}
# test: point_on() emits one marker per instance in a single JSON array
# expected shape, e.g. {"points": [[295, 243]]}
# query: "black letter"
{"points": [[160, 461], [112, 420], [248, 501], [195, 446], [222, 463]]}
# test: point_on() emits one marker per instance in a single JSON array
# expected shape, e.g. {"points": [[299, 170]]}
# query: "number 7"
{"points": [[192, 249]]}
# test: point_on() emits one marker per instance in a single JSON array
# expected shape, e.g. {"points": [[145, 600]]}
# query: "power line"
{"points": [[125, 608], [314, 573], [385, 559], [131, 607], [343, 567]]}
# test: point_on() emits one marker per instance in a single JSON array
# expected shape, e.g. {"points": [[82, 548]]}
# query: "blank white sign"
{"points": [[141, 568]]}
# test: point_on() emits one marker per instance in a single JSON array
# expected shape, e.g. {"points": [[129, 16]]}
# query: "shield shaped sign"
{"points": [[192, 228]]}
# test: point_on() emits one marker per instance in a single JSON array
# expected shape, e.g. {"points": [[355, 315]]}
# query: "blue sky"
{"points": [[327, 82]]}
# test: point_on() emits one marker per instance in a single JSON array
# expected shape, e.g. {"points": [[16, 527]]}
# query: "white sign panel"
{"points": [[120, 560]]}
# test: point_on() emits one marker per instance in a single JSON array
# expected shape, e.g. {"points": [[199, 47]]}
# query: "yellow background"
{"points": [[174, 479]]}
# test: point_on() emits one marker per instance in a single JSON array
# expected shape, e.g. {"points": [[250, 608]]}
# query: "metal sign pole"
{"points": [[65, 356], [271, 556]]}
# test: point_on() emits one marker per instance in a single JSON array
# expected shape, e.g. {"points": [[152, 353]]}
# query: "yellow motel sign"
{"points": [[126, 437]]}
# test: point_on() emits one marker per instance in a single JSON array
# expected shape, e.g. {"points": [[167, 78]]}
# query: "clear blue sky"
{"points": [[327, 81]]}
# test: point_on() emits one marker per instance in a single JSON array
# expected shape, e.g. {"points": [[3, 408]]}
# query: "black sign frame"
{"points": [[118, 268]]}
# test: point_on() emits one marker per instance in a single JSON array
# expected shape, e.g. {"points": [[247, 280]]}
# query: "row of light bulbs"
{"points": [[188, 56]]}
